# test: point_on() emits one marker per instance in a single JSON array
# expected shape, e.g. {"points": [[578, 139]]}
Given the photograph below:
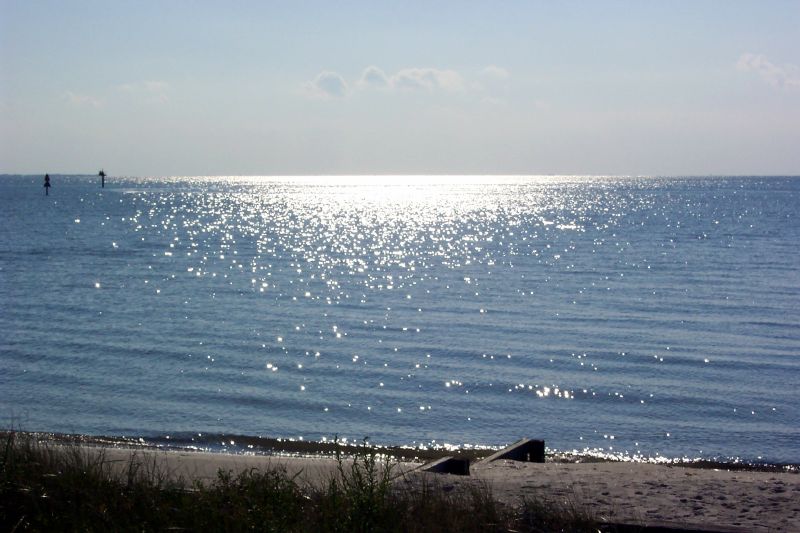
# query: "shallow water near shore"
{"points": [[639, 317]]}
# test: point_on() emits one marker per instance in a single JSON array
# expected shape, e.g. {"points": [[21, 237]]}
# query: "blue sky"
{"points": [[273, 88]]}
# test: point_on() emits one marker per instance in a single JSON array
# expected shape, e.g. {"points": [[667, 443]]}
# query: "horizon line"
{"points": [[406, 175]]}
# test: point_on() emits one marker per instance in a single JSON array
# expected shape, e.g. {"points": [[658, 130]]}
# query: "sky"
{"points": [[641, 87]]}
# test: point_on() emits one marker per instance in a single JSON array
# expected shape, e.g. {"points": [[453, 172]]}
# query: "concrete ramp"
{"points": [[448, 465], [525, 450]]}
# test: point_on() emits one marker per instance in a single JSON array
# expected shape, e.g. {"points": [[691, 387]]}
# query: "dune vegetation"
{"points": [[45, 487]]}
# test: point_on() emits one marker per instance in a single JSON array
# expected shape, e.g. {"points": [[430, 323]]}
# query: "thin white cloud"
{"points": [[154, 92], [329, 84], [787, 76], [495, 72], [326, 85], [427, 79], [82, 99]]}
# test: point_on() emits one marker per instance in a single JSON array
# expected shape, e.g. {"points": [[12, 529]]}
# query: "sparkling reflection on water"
{"points": [[640, 316]]}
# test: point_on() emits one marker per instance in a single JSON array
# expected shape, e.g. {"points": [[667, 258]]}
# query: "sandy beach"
{"points": [[649, 494], [616, 492]]}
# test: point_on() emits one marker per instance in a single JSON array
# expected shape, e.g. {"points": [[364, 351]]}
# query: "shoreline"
{"points": [[619, 493], [259, 446]]}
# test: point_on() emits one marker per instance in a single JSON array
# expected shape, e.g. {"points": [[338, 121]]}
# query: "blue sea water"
{"points": [[644, 317]]}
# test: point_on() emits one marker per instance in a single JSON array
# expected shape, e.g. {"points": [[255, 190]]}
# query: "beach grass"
{"points": [[64, 488]]}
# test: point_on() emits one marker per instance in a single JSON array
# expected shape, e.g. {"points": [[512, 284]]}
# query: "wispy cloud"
{"points": [[327, 85], [429, 79], [154, 92], [786, 76], [330, 84], [494, 72], [82, 99]]}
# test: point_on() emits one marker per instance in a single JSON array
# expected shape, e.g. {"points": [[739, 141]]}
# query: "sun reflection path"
{"points": [[396, 299], [381, 246]]}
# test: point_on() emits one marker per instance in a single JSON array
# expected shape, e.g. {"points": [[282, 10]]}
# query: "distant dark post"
{"points": [[47, 184], [102, 175]]}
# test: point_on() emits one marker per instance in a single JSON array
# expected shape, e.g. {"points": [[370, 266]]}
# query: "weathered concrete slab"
{"points": [[526, 450], [448, 465]]}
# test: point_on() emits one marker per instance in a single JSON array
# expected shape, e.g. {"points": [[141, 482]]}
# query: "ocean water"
{"points": [[639, 317]]}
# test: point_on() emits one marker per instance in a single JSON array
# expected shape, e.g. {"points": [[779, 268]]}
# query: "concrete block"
{"points": [[526, 450], [448, 465]]}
